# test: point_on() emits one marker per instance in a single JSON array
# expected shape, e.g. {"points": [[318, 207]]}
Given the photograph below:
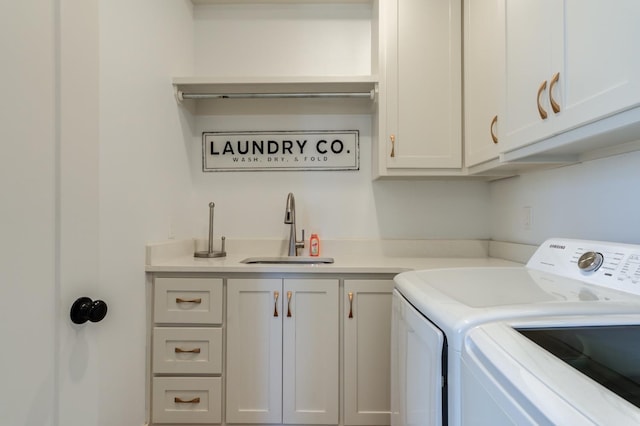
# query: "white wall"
{"points": [[593, 200], [336, 205]]}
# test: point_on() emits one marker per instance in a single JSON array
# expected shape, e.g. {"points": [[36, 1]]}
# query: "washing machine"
{"points": [[438, 318]]}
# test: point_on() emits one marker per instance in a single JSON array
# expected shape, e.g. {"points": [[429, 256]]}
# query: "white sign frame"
{"points": [[293, 150]]}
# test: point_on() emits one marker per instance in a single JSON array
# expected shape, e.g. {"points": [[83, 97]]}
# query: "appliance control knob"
{"points": [[590, 261]]}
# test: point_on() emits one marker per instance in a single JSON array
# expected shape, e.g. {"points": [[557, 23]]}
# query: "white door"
{"points": [[49, 213]]}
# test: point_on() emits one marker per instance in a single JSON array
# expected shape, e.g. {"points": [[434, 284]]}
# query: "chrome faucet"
{"points": [[290, 219]]}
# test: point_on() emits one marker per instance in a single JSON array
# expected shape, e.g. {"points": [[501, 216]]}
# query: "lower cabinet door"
{"points": [[310, 354], [187, 400], [367, 351], [254, 351]]}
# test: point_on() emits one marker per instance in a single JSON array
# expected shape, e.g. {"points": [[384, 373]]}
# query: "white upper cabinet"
{"points": [[484, 39], [419, 129], [568, 63]]}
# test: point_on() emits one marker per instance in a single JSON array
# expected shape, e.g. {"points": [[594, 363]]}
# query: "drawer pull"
{"points": [[554, 105], [541, 111], [195, 400], [289, 304], [350, 305], [197, 301], [276, 294], [187, 351]]}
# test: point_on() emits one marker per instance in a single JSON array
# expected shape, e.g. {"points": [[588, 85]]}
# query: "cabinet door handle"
{"points": [[187, 351], [197, 301], [493, 135], [541, 111], [393, 145], [178, 400], [554, 105], [289, 294], [350, 305], [276, 294]]}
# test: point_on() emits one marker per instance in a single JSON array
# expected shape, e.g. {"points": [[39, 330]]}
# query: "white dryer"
{"points": [[434, 312]]}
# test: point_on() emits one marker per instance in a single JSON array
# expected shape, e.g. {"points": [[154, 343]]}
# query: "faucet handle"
{"points": [[300, 244]]}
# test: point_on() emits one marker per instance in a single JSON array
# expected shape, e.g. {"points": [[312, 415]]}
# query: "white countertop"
{"points": [[350, 256]]}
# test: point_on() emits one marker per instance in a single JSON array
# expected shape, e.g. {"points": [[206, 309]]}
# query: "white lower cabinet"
{"points": [[282, 351], [256, 350], [367, 343]]}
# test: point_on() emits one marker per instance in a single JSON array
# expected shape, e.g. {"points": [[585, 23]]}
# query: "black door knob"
{"points": [[84, 309]]}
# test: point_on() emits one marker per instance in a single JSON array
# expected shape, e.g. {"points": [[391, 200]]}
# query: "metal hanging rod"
{"points": [[183, 96]]}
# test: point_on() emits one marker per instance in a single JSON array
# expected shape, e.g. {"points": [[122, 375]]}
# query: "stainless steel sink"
{"points": [[288, 260]]}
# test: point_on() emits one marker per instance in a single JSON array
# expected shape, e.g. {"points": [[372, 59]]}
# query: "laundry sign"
{"points": [[283, 150]]}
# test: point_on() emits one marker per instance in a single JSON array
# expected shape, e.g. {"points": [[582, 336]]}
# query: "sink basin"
{"points": [[288, 260]]}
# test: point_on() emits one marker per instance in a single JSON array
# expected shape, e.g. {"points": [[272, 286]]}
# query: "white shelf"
{"points": [[353, 94], [199, 2], [274, 85]]}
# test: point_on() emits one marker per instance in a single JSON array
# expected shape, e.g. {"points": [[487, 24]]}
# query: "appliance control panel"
{"points": [[601, 263]]}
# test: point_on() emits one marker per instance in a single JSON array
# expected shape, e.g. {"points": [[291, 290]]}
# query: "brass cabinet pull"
{"points": [[187, 351], [195, 400], [543, 113], [350, 305], [493, 135], [393, 145], [554, 105], [179, 300], [289, 294], [276, 294]]}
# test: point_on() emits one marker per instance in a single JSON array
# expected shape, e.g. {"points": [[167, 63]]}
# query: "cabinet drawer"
{"points": [[188, 300], [181, 350], [187, 400]]}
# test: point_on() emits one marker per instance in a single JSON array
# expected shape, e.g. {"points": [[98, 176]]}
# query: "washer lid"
{"points": [[481, 288], [546, 386], [456, 299]]}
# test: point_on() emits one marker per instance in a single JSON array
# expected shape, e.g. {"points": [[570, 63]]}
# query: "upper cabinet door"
{"points": [[533, 54], [568, 63], [601, 60], [421, 87], [484, 29]]}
